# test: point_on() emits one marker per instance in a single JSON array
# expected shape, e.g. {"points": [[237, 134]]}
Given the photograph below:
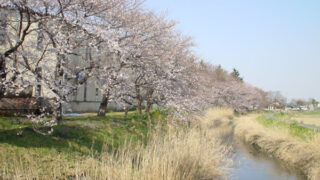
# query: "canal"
{"points": [[250, 164]]}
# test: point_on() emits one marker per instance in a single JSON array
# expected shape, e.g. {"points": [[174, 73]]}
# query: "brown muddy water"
{"points": [[250, 164]]}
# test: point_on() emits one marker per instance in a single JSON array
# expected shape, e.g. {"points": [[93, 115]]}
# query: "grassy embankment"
{"points": [[296, 146], [307, 117], [114, 147]]}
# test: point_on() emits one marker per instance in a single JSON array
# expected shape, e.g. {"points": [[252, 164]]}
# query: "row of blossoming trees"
{"points": [[134, 56]]}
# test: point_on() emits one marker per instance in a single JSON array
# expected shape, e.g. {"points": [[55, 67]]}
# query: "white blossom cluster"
{"points": [[135, 56]]}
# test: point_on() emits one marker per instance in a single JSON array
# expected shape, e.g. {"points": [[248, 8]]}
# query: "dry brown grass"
{"points": [[302, 155], [308, 119], [305, 117], [179, 153]]}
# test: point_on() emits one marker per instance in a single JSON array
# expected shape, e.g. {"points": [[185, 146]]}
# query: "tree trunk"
{"points": [[3, 76], [59, 113], [149, 100], [59, 72], [126, 113], [103, 105], [149, 106], [139, 106]]}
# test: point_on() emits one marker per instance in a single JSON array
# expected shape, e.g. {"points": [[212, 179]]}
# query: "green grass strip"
{"points": [[294, 129]]}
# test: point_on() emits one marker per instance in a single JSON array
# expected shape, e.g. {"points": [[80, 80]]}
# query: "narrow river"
{"points": [[249, 164]]}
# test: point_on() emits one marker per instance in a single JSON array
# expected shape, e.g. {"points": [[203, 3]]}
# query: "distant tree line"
{"points": [[277, 96]]}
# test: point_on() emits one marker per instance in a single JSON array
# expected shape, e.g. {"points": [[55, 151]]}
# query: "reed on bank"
{"points": [[302, 154], [170, 152]]}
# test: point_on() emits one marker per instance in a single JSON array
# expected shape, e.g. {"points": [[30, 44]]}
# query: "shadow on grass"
{"points": [[64, 139], [84, 135]]}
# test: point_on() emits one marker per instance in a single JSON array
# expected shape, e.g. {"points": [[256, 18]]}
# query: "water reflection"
{"points": [[249, 164]]}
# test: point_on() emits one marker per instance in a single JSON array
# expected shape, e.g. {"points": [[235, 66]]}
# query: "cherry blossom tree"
{"points": [[67, 31], [134, 56]]}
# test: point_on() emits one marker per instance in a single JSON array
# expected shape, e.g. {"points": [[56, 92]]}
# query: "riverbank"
{"points": [[302, 154], [115, 147], [252, 164], [311, 118]]}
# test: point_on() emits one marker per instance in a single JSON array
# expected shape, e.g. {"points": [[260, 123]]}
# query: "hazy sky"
{"points": [[275, 44]]}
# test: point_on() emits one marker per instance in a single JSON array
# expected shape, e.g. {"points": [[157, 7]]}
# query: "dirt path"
{"points": [[271, 115]]}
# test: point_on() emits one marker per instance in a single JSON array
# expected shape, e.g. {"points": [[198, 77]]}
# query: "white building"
{"points": [[86, 98]]}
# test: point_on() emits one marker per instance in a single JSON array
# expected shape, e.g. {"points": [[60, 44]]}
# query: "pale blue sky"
{"points": [[275, 44]]}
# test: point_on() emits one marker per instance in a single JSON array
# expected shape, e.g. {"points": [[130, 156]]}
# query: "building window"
{"points": [[40, 38], [3, 27], [97, 94], [75, 94], [85, 92]]}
